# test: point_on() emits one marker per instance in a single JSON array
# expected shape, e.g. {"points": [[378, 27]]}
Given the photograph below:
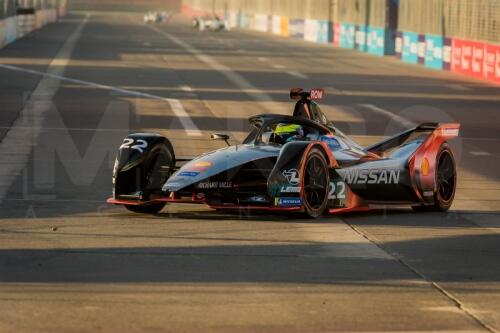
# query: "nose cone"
{"points": [[215, 162]]}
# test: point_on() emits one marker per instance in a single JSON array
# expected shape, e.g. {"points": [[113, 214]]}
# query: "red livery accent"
{"points": [[425, 155], [261, 208]]}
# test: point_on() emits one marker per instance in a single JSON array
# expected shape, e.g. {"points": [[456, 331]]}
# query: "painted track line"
{"points": [[396, 118], [298, 75], [24, 132], [251, 90], [176, 106]]}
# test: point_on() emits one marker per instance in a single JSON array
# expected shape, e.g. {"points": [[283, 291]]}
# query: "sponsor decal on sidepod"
{"points": [[373, 176]]}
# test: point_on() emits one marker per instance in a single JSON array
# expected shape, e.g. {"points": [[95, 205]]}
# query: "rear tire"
{"points": [[316, 180], [446, 182]]}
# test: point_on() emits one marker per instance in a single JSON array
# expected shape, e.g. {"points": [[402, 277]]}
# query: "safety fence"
{"points": [[20, 17], [458, 35], [125, 5]]}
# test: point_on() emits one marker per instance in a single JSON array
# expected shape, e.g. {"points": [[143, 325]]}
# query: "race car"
{"points": [[207, 22], [298, 163], [155, 17]]}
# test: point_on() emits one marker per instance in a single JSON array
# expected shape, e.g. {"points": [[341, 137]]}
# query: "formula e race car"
{"points": [[156, 17], [210, 23], [299, 163]]}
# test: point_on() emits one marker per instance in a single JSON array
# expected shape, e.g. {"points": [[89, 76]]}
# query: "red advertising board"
{"points": [[461, 60], [491, 65], [476, 59], [336, 34]]}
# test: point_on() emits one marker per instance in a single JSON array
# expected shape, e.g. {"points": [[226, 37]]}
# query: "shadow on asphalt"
{"points": [[294, 263]]}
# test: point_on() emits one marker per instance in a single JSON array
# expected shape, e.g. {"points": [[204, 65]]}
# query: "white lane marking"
{"points": [[181, 113], [479, 153], [460, 87], [23, 135], [396, 118], [278, 66], [232, 76], [147, 44], [190, 128], [263, 59], [298, 75], [186, 88]]}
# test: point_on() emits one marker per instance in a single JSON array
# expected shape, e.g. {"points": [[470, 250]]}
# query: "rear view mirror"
{"points": [[220, 136]]}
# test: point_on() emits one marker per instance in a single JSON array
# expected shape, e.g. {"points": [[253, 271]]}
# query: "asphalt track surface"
{"points": [[71, 263]]}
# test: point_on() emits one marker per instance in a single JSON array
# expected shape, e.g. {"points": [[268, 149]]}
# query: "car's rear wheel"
{"points": [[156, 170], [446, 182], [315, 181]]}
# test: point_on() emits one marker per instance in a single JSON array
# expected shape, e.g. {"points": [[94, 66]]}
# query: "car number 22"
{"points": [[337, 190], [140, 145]]}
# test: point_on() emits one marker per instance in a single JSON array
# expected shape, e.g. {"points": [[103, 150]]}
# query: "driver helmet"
{"points": [[289, 132]]}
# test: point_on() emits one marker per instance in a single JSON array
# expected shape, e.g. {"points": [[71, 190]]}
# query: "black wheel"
{"points": [[446, 182], [146, 209], [316, 180], [155, 171]]}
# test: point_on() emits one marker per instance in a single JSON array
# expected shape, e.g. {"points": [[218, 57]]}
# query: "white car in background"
{"points": [[156, 17], [210, 23]]}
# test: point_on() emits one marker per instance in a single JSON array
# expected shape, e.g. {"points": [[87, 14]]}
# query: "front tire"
{"points": [[156, 170], [146, 209], [316, 180], [446, 182]]}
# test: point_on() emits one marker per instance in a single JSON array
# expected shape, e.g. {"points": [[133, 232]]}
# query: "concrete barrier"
{"points": [[347, 35], [2, 33], [233, 20], [336, 34], [276, 24], [284, 27], [15, 27], [61, 11], [296, 28], [421, 49], [376, 41], [409, 51], [360, 37], [466, 57], [311, 30], [10, 30], [491, 68], [25, 24], [434, 51], [325, 32], [261, 22], [447, 53]]}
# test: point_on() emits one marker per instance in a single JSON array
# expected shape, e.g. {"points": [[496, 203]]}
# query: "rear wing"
{"points": [[440, 132]]}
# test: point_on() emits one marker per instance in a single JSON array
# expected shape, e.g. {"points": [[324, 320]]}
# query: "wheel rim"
{"points": [[315, 183], [446, 177]]}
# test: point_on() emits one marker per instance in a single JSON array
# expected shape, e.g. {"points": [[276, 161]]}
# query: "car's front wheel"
{"points": [[316, 180], [156, 169]]}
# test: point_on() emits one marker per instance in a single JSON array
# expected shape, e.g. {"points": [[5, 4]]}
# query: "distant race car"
{"points": [[155, 17], [299, 163], [210, 23]]}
